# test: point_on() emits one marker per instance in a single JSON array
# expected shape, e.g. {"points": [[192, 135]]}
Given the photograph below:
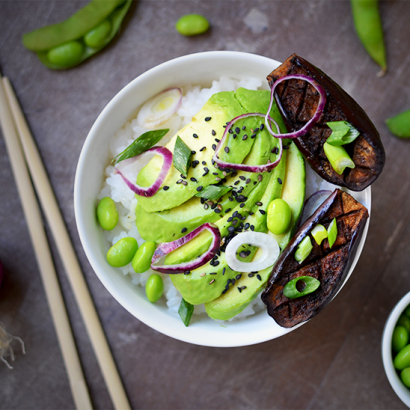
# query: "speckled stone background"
{"points": [[333, 362]]}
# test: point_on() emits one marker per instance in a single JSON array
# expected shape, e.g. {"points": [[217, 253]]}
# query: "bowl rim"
{"points": [[235, 341], [386, 350]]}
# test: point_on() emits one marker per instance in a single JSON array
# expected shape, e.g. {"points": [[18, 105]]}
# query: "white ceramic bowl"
{"points": [[401, 390], [200, 69]]}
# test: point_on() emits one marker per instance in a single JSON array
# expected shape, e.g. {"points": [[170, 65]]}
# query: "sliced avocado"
{"points": [[206, 127], [172, 224], [293, 191], [197, 289]]}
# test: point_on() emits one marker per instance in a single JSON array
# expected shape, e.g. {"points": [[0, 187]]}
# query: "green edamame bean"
{"points": [[154, 288], [122, 252], [399, 126], [369, 29], [402, 360], [107, 214], [66, 55], [96, 37], [192, 24], [400, 338], [405, 376], [142, 259], [404, 321], [279, 216]]}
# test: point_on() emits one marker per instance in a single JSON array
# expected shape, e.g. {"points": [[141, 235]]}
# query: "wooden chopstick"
{"points": [[68, 256], [38, 238]]}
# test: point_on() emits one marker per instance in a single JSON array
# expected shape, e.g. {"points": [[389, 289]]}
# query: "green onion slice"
{"points": [[332, 232], [319, 233], [303, 250], [342, 133], [338, 157], [213, 191], [182, 156], [399, 125], [185, 311], [140, 145], [306, 285]]}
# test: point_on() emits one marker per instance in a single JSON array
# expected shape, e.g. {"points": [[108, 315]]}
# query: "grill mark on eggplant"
{"points": [[366, 151], [329, 265]]}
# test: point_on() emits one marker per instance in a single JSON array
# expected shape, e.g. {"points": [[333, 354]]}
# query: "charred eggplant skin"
{"points": [[298, 101], [338, 260]]}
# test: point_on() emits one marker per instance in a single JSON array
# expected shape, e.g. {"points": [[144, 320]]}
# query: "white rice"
{"points": [[193, 100]]}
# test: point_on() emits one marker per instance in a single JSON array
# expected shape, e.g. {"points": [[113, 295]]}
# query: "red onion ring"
{"points": [[308, 126], [244, 167], [167, 247], [166, 154]]}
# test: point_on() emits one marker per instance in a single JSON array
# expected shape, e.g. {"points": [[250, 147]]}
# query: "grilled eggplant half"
{"points": [[298, 101], [329, 265]]}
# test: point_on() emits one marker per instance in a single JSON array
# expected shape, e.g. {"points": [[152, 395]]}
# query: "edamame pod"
{"points": [[369, 29], [91, 28]]}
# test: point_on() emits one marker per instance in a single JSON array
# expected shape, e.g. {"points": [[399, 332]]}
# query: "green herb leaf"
{"points": [[338, 157], [319, 233], [185, 311], [182, 156], [399, 125], [303, 250], [306, 284], [213, 191], [342, 133], [140, 145], [332, 232]]}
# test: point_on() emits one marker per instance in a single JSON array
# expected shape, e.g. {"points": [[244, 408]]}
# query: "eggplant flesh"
{"points": [[298, 101], [329, 265]]}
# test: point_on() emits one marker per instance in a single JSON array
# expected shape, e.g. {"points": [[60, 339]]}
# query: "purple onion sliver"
{"points": [[308, 126], [312, 203], [167, 247], [244, 167], [151, 190]]}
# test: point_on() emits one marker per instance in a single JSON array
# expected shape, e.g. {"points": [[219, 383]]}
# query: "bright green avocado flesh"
{"points": [[234, 301]]}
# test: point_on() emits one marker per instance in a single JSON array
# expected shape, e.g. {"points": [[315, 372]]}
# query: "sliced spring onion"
{"points": [[244, 167], [160, 108], [182, 156], [167, 247], [140, 145], [319, 233], [303, 250], [312, 203], [166, 154], [320, 107], [267, 243], [185, 311], [342, 133], [338, 158], [332, 232], [306, 285], [399, 125], [213, 192]]}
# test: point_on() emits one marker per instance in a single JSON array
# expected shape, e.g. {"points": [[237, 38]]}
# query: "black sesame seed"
{"points": [[223, 271], [231, 229], [214, 147], [179, 181], [235, 214], [224, 291], [187, 272], [217, 210], [248, 180], [227, 210], [233, 282], [184, 183], [241, 198], [234, 222], [243, 254], [237, 130], [253, 136], [200, 188], [259, 203], [275, 150], [193, 179], [230, 198], [183, 230], [203, 149], [230, 131], [252, 228], [205, 172], [213, 132], [251, 275], [236, 182], [226, 149], [203, 162], [285, 146], [256, 129], [166, 188], [217, 140], [262, 211], [195, 135], [244, 137], [260, 177], [206, 206], [247, 225], [280, 181], [182, 176], [213, 206], [229, 219], [250, 213], [208, 119], [202, 201], [213, 273], [262, 127], [234, 136], [240, 289], [193, 152], [216, 263], [238, 276], [241, 205], [259, 277]]}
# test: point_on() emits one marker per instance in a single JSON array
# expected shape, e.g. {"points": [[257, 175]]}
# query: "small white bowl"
{"points": [[196, 69], [401, 390]]}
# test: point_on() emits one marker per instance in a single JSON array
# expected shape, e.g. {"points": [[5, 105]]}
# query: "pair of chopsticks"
{"points": [[23, 153]]}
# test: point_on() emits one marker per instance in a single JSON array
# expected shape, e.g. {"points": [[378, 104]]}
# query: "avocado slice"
{"points": [[234, 301], [199, 286], [171, 224], [206, 126]]}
